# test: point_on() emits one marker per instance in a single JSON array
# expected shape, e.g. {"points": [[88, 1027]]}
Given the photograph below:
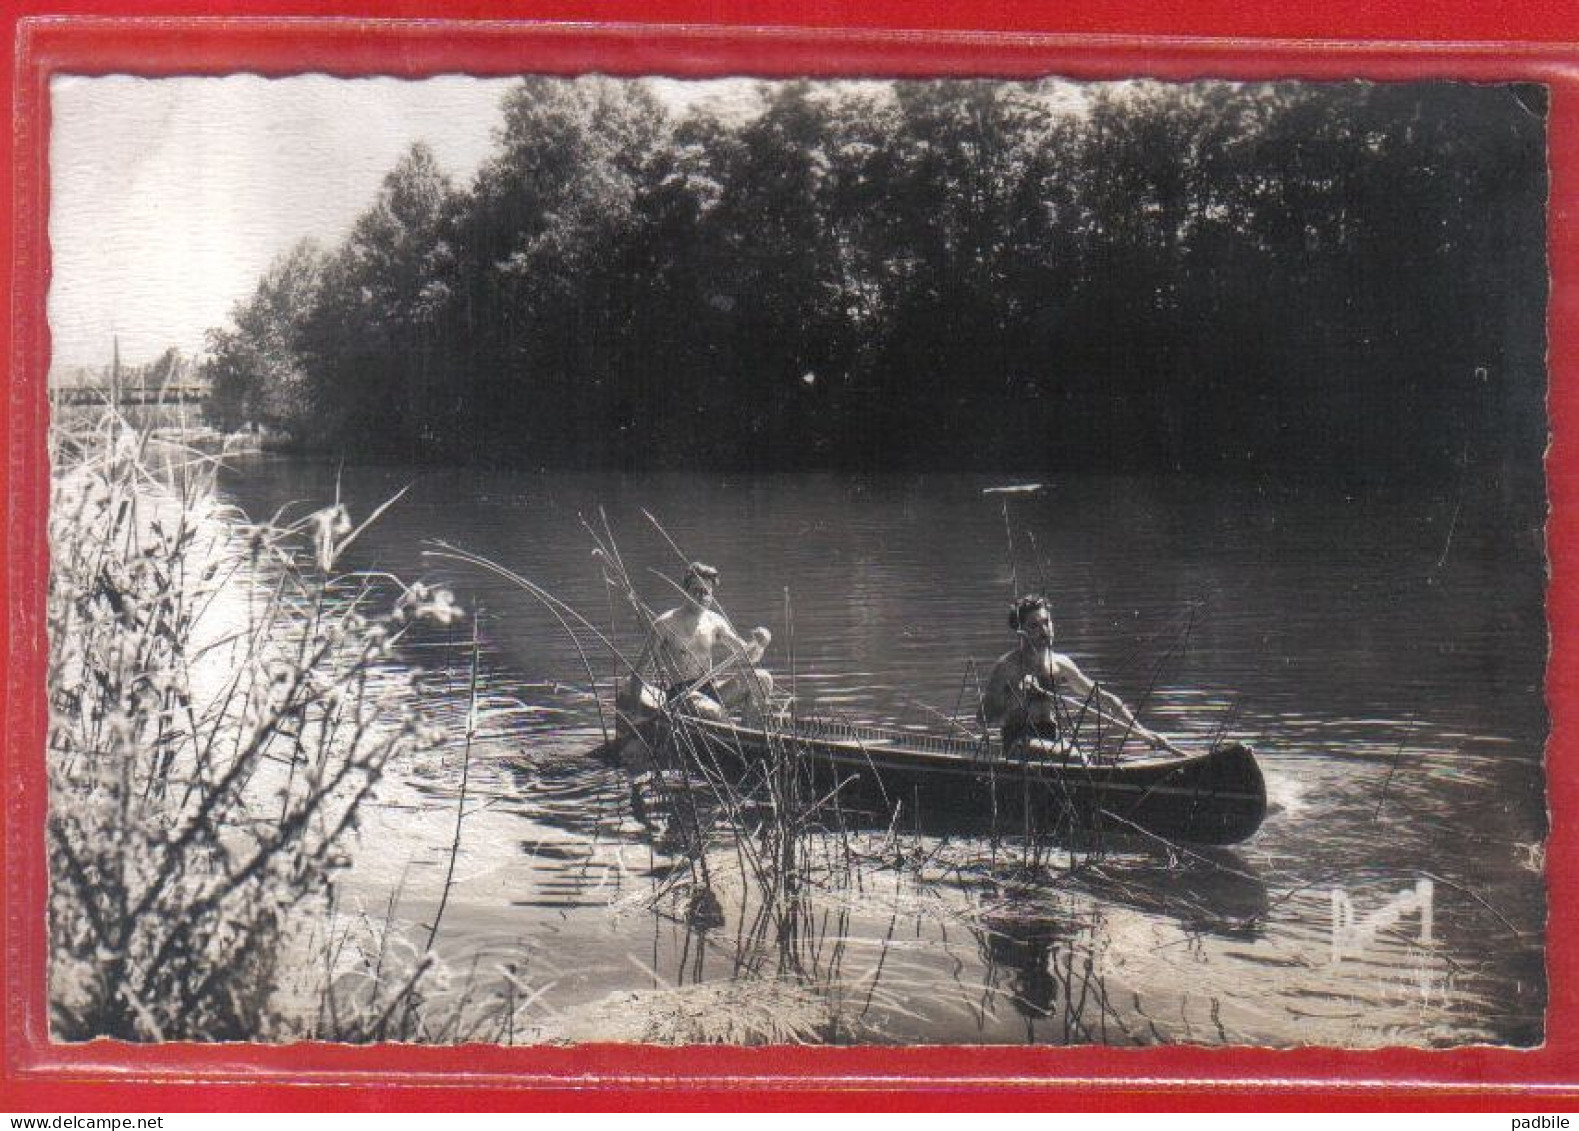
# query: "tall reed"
{"points": [[216, 723]]}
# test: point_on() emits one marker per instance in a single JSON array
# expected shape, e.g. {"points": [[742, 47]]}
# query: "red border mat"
{"points": [[1527, 41]]}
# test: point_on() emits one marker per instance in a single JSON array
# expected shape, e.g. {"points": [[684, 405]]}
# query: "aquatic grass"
{"points": [[712, 814], [377, 980], [760, 1012], [761, 855], [216, 724], [768, 867]]}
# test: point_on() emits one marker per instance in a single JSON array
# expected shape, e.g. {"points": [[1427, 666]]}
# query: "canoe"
{"points": [[1215, 796]]}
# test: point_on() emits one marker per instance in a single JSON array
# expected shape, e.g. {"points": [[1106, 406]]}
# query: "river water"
{"points": [[1383, 653]]}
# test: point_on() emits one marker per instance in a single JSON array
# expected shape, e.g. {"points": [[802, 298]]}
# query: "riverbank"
{"points": [[228, 733], [218, 721]]}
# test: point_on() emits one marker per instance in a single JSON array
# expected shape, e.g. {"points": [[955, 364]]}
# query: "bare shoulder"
{"points": [[1008, 662], [1066, 665]]}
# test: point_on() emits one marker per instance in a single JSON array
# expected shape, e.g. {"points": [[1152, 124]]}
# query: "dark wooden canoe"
{"points": [[1216, 796]]}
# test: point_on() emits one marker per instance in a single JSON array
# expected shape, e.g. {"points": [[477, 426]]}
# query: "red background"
{"points": [[1100, 38]]}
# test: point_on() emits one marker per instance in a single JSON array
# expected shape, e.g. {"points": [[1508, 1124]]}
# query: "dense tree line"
{"points": [[1339, 277]]}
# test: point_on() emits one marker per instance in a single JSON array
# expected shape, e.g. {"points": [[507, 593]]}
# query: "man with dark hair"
{"points": [[1033, 690], [682, 653]]}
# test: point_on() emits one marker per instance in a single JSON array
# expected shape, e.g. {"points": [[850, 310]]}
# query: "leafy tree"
{"points": [[543, 255], [254, 368], [1291, 278], [376, 362]]}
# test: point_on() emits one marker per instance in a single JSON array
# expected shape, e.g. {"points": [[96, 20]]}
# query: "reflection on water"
{"points": [[1388, 672]]}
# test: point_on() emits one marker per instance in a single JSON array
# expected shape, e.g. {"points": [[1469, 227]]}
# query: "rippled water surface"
{"points": [[1385, 656]]}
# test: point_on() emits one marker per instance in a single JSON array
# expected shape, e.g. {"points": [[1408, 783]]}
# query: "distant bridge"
{"points": [[129, 395]]}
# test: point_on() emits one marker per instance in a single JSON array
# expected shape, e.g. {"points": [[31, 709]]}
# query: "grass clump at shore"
{"points": [[217, 719]]}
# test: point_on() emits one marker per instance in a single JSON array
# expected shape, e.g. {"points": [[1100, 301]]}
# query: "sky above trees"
{"points": [[169, 197]]}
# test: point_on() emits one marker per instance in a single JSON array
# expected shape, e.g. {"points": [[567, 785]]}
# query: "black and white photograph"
{"points": [[844, 561]]}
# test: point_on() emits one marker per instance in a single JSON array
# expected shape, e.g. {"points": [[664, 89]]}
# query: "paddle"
{"points": [[1089, 706]]}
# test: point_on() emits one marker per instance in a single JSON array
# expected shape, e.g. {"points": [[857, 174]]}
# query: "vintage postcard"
{"points": [[904, 562]]}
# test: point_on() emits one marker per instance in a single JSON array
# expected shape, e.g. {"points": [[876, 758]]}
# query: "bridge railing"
{"points": [[128, 395]]}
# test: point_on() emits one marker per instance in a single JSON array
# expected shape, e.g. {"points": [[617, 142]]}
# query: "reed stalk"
{"points": [[214, 733]]}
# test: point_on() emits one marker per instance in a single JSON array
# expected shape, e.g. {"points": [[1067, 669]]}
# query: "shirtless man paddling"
{"points": [[1023, 692], [682, 651]]}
